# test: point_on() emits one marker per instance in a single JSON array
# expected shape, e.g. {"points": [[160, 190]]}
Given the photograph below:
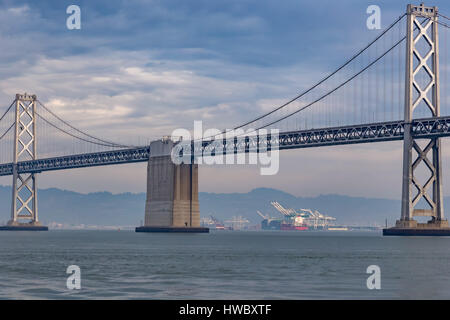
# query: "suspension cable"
{"points": [[4, 134], [80, 138], [327, 77], [318, 83], [443, 16], [443, 24], [102, 142], [339, 86], [7, 110], [336, 88]]}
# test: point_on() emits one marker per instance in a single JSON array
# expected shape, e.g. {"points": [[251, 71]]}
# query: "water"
{"points": [[222, 265]]}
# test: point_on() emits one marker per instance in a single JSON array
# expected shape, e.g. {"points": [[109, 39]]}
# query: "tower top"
{"points": [[26, 97], [422, 10]]}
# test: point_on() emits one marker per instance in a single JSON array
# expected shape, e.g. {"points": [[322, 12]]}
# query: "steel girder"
{"points": [[376, 132], [364, 133], [79, 161]]}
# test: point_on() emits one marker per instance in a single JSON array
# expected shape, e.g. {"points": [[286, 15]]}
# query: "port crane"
{"points": [[262, 216], [282, 210], [266, 217], [314, 219]]}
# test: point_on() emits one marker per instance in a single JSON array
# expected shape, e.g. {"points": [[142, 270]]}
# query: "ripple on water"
{"points": [[229, 265]]}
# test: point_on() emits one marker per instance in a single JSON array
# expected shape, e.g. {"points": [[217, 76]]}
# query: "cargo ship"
{"points": [[297, 224], [294, 220], [291, 227], [290, 224]]}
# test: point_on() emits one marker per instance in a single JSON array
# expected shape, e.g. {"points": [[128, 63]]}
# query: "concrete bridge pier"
{"points": [[172, 193]]}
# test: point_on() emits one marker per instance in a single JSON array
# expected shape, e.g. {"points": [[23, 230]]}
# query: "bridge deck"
{"points": [[364, 133]]}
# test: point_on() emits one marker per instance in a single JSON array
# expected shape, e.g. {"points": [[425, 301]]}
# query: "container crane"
{"points": [[262, 216], [317, 219], [282, 210]]}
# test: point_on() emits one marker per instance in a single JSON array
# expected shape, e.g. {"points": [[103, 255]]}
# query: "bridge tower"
{"points": [[422, 28], [24, 212]]}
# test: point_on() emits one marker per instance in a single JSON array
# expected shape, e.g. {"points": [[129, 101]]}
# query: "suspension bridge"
{"points": [[389, 90]]}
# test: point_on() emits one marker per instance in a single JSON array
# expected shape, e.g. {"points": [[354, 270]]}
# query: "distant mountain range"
{"points": [[68, 207], [127, 209]]}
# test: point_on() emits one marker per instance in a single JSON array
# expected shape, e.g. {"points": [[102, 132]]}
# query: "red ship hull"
{"points": [[287, 227]]}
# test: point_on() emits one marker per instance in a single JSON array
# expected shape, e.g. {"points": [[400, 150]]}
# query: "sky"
{"points": [[136, 70]]}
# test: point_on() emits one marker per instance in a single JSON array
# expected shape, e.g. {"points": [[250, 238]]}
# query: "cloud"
{"points": [[121, 93], [19, 11]]}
